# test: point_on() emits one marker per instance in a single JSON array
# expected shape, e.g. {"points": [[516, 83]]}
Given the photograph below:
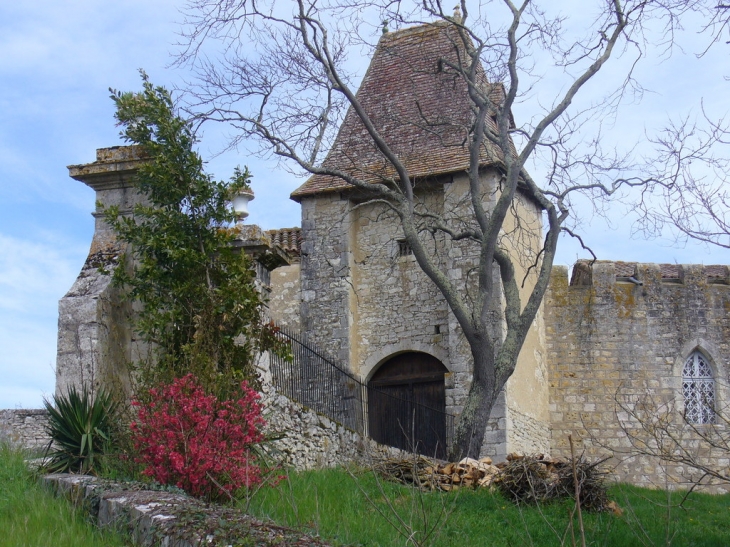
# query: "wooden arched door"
{"points": [[407, 404]]}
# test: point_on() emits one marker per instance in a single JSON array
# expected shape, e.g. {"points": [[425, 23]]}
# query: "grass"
{"points": [[30, 516], [355, 510], [334, 504]]}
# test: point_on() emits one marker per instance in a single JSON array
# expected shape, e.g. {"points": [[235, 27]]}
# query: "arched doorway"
{"points": [[407, 404]]}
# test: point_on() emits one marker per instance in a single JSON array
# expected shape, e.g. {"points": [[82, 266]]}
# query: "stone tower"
{"points": [[364, 298]]}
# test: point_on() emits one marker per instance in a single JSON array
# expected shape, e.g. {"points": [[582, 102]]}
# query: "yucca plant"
{"points": [[80, 426]]}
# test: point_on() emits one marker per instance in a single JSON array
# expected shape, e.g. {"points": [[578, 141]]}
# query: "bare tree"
{"points": [[665, 431], [695, 201], [282, 74]]}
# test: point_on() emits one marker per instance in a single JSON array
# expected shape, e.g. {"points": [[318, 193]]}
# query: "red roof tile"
{"points": [[670, 271], [716, 272], [625, 269], [289, 239], [420, 109]]}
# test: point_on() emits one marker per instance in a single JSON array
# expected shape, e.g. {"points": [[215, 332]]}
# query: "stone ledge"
{"points": [[161, 518]]}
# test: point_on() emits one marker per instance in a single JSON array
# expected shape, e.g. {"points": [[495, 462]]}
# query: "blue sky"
{"points": [[57, 60]]}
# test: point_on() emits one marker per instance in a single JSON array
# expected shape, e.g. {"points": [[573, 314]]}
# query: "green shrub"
{"points": [[200, 310], [80, 426]]}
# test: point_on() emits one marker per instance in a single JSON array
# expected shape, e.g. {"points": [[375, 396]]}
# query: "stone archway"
{"points": [[407, 404]]}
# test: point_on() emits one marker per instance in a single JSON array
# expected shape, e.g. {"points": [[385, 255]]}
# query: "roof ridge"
{"points": [[415, 29]]}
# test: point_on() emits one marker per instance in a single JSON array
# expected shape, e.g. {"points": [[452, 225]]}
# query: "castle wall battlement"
{"points": [[637, 273], [618, 336]]}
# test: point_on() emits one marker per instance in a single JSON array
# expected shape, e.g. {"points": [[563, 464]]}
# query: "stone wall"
{"points": [[461, 261], [394, 306], [325, 275], [365, 300], [24, 427], [527, 390], [618, 337], [94, 334], [151, 518], [311, 440], [285, 296], [527, 435]]}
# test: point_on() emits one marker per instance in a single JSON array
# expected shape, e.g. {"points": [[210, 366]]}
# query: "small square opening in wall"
{"points": [[437, 329], [403, 248]]}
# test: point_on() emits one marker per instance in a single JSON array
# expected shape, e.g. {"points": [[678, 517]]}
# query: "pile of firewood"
{"points": [[536, 479], [433, 475], [523, 479], [530, 479]]}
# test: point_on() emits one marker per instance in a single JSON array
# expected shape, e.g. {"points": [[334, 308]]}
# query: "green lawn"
{"points": [[30, 516], [333, 504]]}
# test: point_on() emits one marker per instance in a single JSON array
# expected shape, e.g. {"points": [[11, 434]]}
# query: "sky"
{"points": [[57, 61]]}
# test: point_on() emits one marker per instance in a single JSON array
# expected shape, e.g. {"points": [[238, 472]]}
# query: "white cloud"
{"points": [[32, 271], [57, 61], [34, 274], [66, 40]]}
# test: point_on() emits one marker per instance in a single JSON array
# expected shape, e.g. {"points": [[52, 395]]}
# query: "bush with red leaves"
{"points": [[195, 441]]}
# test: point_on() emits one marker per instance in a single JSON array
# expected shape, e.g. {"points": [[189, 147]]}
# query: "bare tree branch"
{"points": [[281, 79]]}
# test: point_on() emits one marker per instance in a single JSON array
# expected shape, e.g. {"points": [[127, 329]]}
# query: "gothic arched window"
{"points": [[698, 388]]}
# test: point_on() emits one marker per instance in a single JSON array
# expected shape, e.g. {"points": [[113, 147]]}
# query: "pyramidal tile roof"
{"points": [[421, 108]]}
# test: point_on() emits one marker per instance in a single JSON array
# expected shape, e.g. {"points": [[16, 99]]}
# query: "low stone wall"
{"points": [[24, 427], [311, 440], [308, 440], [152, 518]]}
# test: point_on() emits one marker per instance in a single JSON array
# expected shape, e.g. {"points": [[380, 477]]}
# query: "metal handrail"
{"points": [[316, 381]]}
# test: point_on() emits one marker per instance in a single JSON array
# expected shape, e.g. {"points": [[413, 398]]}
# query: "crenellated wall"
{"points": [[618, 336]]}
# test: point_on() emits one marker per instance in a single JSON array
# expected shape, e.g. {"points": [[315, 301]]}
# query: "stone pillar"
{"points": [[95, 340]]}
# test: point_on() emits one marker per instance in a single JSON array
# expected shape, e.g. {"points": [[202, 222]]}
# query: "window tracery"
{"points": [[698, 388]]}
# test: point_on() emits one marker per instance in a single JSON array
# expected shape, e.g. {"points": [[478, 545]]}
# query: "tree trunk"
{"points": [[472, 423]]}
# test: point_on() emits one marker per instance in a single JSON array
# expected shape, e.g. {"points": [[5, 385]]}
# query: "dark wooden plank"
{"points": [[407, 403]]}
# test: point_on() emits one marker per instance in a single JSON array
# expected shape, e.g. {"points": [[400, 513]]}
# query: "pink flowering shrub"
{"points": [[197, 442]]}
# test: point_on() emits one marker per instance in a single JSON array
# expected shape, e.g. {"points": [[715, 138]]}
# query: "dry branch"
{"points": [[522, 479]]}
